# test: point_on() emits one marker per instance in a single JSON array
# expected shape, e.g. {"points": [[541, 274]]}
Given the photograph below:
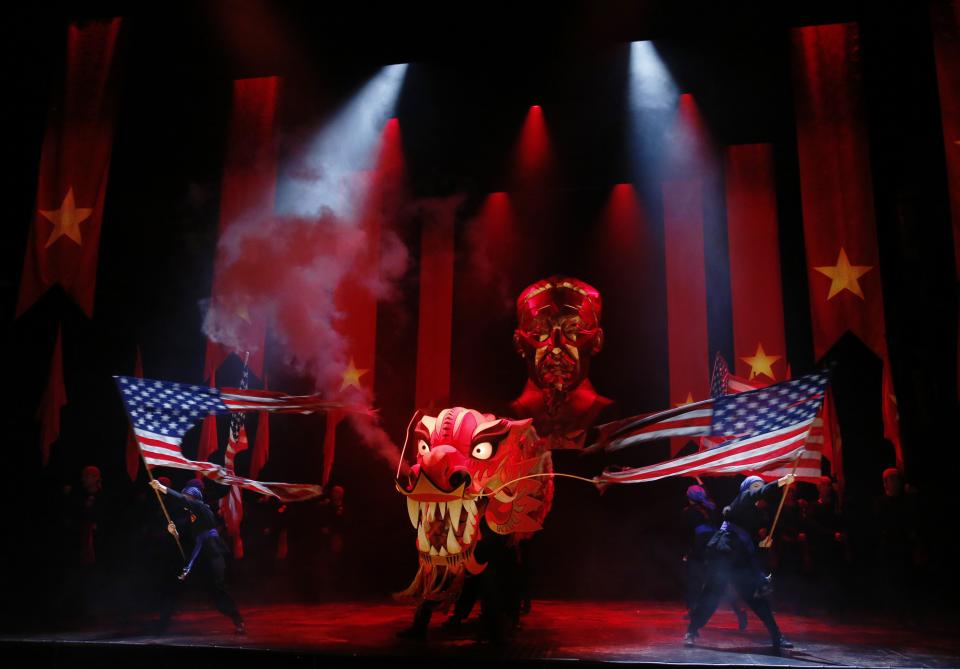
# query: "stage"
{"points": [[554, 631]]}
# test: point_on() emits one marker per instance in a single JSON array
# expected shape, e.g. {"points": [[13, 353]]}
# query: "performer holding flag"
{"points": [[161, 413], [731, 558], [208, 548]]}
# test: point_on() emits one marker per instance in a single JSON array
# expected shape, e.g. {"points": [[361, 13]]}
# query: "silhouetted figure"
{"points": [[206, 553], [701, 520], [731, 559]]}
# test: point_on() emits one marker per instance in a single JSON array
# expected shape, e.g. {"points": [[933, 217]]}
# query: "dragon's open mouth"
{"points": [[446, 522]]}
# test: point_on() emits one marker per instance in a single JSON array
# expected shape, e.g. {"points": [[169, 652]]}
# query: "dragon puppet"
{"points": [[469, 479]]}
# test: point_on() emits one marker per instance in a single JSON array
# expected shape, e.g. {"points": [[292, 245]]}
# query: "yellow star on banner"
{"points": [[243, 312], [351, 376], [843, 275], [689, 400], [66, 220], [761, 363]]}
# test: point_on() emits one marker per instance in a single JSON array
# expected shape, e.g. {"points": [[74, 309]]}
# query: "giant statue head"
{"points": [[558, 330], [470, 466]]}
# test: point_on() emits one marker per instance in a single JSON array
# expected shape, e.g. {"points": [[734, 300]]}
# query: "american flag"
{"points": [[722, 382], [161, 412], [688, 420], [231, 505], [820, 440], [823, 441], [768, 426]]}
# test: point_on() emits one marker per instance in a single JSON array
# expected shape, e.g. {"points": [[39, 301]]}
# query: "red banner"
{"points": [[54, 399], [209, 443], [356, 296], [837, 196], [64, 237], [945, 15], [436, 313], [686, 294], [759, 342], [247, 193]]}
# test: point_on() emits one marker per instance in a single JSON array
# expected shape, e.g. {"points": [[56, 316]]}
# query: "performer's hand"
{"points": [[156, 485], [786, 480], [172, 529]]}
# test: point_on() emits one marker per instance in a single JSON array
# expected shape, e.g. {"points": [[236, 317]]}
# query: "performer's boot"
{"points": [[690, 638], [453, 623], [183, 575], [780, 641], [421, 621], [741, 619], [240, 627]]}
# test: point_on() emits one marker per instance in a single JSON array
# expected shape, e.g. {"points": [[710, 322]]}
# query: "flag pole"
{"points": [[163, 506], [767, 541]]}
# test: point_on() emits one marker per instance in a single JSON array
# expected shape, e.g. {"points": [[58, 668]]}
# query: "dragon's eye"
{"points": [[483, 450], [423, 447]]}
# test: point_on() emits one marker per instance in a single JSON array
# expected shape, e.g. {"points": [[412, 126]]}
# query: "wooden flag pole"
{"points": [[767, 541], [166, 514]]}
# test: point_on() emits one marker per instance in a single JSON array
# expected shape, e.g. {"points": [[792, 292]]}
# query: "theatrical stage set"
{"points": [[643, 315]]}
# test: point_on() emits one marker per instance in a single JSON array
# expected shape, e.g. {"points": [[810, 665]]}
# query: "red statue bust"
{"points": [[558, 331]]}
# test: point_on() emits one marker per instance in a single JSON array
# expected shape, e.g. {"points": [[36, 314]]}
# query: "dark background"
{"points": [[471, 80]]}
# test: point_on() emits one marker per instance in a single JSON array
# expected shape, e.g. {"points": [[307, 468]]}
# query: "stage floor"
{"points": [[629, 632]]}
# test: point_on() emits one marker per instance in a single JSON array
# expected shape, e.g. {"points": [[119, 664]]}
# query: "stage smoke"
{"points": [[336, 209]]}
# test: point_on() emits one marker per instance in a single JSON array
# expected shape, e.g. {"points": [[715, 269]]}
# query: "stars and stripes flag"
{"points": [[161, 412], [722, 382], [766, 427], [823, 439], [823, 442], [231, 505]]}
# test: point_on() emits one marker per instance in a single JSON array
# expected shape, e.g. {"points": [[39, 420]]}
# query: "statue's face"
{"points": [[558, 331]]}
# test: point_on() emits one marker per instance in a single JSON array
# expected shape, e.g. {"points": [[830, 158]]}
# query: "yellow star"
{"points": [[351, 376], [761, 363], [243, 312], [843, 275], [66, 220], [689, 400]]}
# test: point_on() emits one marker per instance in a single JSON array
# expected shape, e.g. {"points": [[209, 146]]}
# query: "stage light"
{"points": [[652, 97], [533, 148], [346, 145], [651, 84]]}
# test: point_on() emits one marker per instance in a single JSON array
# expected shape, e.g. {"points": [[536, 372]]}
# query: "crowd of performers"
{"points": [[815, 551], [473, 542]]}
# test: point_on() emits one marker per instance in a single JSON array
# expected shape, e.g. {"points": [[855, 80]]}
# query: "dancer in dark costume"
{"points": [[701, 520], [208, 550], [731, 558]]}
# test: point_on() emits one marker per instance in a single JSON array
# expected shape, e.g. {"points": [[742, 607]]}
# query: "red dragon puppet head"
{"points": [[470, 465]]}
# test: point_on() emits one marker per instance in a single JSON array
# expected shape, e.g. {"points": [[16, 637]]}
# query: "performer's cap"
{"points": [[749, 481], [193, 491]]}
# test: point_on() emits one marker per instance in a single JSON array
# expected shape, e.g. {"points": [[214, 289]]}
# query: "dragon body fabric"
{"points": [[470, 468]]}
